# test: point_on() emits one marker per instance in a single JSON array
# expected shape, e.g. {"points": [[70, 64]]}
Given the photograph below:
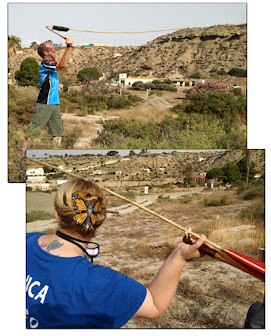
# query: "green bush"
{"points": [[88, 74], [221, 104], [28, 75], [238, 72], [82, 103], [217, 202], [185, 131], [165, 85]]}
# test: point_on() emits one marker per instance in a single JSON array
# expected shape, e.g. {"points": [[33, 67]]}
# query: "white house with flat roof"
{"points": [[129, 81], [34, 171]]}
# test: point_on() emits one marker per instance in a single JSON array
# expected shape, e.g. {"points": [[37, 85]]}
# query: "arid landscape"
{"points": [[175, 55], [211, 294]]}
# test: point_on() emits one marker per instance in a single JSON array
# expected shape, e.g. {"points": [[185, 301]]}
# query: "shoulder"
{"points": [[33, 234], [48, 65]]}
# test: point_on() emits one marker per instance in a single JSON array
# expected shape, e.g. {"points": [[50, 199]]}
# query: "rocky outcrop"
{"points": [[212, 50]]}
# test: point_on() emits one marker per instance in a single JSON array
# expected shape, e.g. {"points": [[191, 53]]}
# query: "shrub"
{"points": [[207, 86], [197, 75], [221, 104], [89, 74], [186, 131], [238, 72], [81, 102], [70, 138], [236, 92], [217, 202], [256, 211], [256, 192], [28, 75], [166, 85]]}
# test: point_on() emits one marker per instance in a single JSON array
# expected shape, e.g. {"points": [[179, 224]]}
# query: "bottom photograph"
{"points": [[145, 239]]}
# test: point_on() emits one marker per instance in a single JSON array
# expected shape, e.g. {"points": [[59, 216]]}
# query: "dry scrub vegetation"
{"points": [[210, 294]]}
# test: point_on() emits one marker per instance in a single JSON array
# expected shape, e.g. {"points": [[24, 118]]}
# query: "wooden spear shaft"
{"points": [[56, 33], [136, 204]]}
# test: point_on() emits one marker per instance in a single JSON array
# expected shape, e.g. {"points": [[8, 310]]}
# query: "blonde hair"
{"points": [[64, 204]]}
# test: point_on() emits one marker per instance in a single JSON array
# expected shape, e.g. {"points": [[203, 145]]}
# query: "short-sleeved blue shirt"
{"points": [[49, 84], [74, 293]]}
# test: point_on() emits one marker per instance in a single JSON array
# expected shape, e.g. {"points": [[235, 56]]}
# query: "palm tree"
{"points": [[13, 44]]}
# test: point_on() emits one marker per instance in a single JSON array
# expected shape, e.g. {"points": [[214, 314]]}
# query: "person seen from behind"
{"points": [[64, 289]]}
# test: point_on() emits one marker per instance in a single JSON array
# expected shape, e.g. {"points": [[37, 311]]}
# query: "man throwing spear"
{"points": [[47, 111]]}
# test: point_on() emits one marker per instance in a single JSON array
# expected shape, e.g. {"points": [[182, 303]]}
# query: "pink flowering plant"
{"points": [[206, 87]]}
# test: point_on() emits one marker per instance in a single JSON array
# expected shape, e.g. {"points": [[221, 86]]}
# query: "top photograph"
{"points": [[126, 76]]}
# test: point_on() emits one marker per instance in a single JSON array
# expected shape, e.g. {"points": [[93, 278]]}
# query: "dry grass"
{"points": [[243, 236], [138, 113], [86, 129], [210, 294]]}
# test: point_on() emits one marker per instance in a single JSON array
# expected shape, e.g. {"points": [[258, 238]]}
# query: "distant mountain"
{"points": [[212, 51]]}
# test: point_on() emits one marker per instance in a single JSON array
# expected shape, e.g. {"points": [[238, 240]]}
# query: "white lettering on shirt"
{"points": [[41, 294]]}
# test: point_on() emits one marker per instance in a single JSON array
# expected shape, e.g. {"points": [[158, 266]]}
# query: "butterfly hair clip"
{"points": [[86, 213]]}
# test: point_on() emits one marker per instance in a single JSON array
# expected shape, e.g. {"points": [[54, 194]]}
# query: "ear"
{"points": [[57, 217]]}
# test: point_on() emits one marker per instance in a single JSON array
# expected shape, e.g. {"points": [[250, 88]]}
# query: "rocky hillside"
{"points": [[168, 165], [211, 50]]}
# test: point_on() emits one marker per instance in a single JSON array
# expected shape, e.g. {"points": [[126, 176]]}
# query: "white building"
{"points": [[39, 178], [129, 81], [97, 172], [34, 171], [59, 182]]}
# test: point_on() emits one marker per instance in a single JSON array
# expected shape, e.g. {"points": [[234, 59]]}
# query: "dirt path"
{"points": [[147, 200], [89, 124]]}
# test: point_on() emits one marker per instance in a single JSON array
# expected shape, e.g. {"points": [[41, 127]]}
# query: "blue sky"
{"points": [[28, 20]]}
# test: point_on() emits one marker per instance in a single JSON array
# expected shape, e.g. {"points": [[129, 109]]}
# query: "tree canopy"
{"points": [[28, 75], [233, 171], [88, 74]]}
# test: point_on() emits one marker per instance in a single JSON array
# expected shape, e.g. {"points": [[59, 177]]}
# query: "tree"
{"points": [[215, 173], [89, 74], [112, 153], [15, 41], [247, 167], [132, 152], [248, 159], [231, 172], [28, 75], [34, 45], [188, 174], [46, 169]]}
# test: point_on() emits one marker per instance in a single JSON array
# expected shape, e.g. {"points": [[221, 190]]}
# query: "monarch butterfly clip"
{"points": [[85, 213]]}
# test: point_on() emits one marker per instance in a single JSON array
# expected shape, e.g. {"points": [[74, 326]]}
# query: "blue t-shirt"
{"points": [[49, 84], [74, 293]]}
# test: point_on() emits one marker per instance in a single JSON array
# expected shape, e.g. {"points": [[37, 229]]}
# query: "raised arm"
{"points": [[163, 287], [65, 58]]}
